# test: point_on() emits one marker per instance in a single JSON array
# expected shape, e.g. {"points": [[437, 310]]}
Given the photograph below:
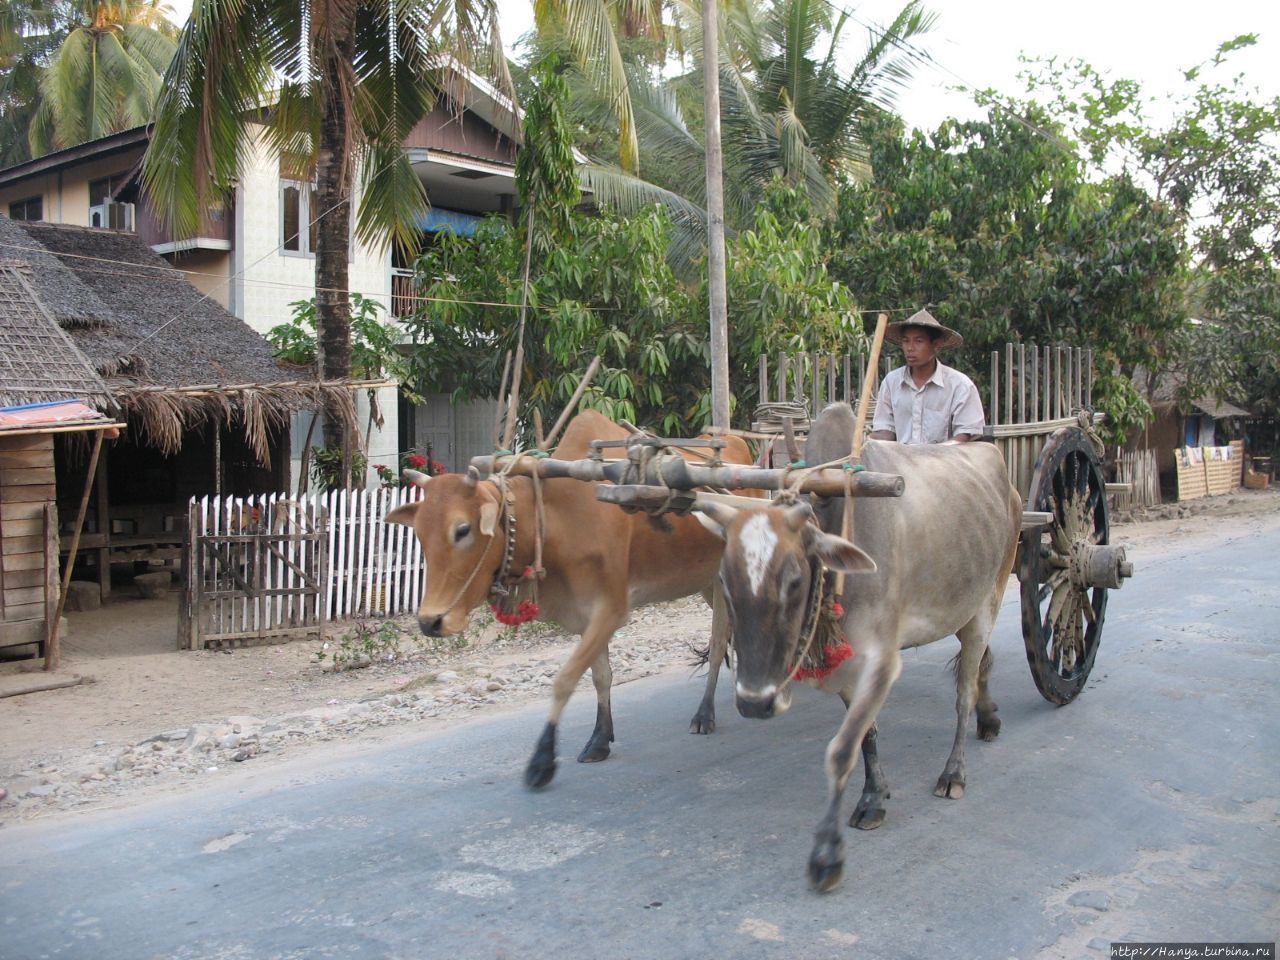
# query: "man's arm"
{"points": [[882, 425], [967, 417]]}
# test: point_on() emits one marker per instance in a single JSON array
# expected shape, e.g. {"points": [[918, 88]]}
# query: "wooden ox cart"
{"points": [[1066, 564]]}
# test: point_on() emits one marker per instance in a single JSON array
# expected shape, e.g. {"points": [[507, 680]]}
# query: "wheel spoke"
{"points": [[1089, 613]]}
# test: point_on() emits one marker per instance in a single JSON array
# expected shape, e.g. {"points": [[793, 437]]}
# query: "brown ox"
{"points": [[600, 563], [932, 563]]}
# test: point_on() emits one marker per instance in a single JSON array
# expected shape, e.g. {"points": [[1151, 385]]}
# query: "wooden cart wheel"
{"points": [[1066, 566]]}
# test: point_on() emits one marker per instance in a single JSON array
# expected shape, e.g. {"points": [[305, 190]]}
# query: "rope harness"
{"points": [[513, 597]]}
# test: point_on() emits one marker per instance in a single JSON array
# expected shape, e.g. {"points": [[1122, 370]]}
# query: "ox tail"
{"points": [[988, 658], [702, 657]]}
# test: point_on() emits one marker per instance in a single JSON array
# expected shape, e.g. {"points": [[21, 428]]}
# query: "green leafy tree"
{"points": [[105, 74], [995, 226], [602, 286], [30, 32], [1216, 164]]}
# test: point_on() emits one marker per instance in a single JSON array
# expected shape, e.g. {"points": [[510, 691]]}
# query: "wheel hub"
{"points": [[1098, 565]]}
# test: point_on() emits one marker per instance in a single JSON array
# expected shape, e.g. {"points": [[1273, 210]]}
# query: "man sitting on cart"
{"points": [[926, 401]]}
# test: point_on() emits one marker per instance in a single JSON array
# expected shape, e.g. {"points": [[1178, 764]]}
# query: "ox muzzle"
{"points": [[763, 703]]}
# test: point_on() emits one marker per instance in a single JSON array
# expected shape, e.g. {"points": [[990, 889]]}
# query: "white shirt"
{"points": [[948, 404]]}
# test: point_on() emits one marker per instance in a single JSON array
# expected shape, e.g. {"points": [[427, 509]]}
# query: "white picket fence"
{"points": [[275, 566], [375, 568]]}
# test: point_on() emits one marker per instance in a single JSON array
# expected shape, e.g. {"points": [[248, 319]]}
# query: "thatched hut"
{"points": [[207, 406], [39, 367]]}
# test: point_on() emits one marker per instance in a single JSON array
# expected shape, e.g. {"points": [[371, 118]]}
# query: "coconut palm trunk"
{"points": [[331, 214]]}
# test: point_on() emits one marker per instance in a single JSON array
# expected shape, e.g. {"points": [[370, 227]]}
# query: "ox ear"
{"points": [[842, 556], [488, 517], [404, 514], [715, 516]]}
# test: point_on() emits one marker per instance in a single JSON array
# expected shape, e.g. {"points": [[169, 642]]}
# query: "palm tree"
{"points": [[105, 74], [338, 84], [788, 110], [30, 32], [594, 33]]}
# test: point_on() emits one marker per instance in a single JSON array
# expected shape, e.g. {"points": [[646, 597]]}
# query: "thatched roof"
{"points": [[171, 357], [38, 361], [162, 329]]}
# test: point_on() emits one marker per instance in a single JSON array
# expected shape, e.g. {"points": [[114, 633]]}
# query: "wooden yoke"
{"points": [[673, 472]]}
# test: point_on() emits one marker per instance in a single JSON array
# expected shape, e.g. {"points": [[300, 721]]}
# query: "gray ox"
{"points": [[600, 563], [932, 563]]}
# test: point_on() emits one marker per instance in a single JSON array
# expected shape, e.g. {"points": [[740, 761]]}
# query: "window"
{"points": [[31, 208], [104, 211], [297, 226]]}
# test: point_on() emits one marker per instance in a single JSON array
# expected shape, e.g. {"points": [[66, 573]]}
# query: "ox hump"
{"points": [[759, 541]]}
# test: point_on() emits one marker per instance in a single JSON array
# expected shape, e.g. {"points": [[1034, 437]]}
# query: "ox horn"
{"points": [[415, 478], [471, 478], [713, 515], [797, 516]]}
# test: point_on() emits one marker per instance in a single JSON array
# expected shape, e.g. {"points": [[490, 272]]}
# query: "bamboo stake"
{"points": [[864, 404], [52, 652], [502, 403], [567, 412]]}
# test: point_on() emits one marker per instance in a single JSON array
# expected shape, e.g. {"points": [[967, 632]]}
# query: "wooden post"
{"points": [[52, 601], [716, 282], [995, 388], [1035, 382], [103, 510], [52, 651]]}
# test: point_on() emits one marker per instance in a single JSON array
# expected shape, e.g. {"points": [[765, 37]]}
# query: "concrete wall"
{"points": [[209, 271]]}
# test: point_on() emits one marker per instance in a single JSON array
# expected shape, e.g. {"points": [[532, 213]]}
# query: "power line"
{"points": [[162, 273]]}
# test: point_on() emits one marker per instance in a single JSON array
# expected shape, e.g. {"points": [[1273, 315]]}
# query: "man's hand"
{"points": [[964, 437], [883, 435]]}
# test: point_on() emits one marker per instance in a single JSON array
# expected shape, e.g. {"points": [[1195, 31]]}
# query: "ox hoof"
{"points": [[597, 749], [539, 772], [988, 727], [703, 722], [826, 866], [950, 785], [542, 765], [869, 813]]}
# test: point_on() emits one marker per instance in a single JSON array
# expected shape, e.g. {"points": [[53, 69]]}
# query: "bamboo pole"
{"points": [[502, 401], [567, 412], [52, 652], [681, 474]]}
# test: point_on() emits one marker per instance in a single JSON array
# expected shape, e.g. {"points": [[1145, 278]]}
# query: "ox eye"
{"points": [[461, 531]]}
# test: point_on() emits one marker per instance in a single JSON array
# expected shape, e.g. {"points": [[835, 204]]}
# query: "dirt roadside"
{"points": [[153, 719]]}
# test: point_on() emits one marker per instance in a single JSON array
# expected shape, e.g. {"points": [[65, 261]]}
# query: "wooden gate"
{"points": [[255, 570]]}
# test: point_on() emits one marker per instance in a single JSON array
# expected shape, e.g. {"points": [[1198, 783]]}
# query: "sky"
{"points": [[980, 41]]}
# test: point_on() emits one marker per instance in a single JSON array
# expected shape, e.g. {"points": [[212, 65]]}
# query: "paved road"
{"points": [[1146, 810]]}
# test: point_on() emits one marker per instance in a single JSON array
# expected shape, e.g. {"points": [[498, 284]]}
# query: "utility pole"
{"points": [[716, 282]]}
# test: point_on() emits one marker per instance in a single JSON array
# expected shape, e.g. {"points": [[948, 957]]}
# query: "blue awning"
{"points": [[438, 219]]}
